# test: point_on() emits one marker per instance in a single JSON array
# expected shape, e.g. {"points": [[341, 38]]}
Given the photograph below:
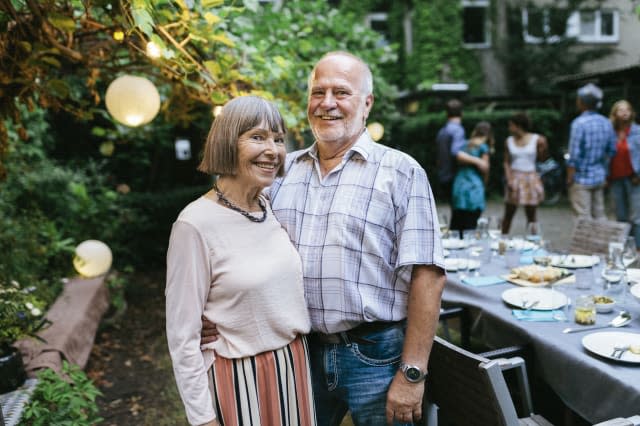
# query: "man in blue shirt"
{"points": [[592, 143], [449, 141]]}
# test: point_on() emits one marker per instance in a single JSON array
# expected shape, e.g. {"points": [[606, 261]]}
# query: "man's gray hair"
{"points": [[590, 95], [367, 83]]}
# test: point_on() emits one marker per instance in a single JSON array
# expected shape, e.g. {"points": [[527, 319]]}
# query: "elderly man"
{"points": [[592, 143], [363, 218]]}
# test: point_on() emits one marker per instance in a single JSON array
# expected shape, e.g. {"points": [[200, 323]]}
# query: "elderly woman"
{"points": [[230, 261], [624, 179], [523, 184]]}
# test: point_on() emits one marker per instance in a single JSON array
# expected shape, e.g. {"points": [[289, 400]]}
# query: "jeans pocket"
{"points": [[386, 349]]}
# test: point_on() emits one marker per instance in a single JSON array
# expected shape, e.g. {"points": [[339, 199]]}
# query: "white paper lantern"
{"points": [[92, 258], [376, 130], [133, 101]]}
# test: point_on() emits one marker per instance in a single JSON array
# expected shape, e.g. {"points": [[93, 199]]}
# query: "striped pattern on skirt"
{"points": [[271, 388]]}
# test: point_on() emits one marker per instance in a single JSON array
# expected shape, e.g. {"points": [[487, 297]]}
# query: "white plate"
{"points": [[516, 244], [635, 291], [547, 298], [451, 264], [634, 275], [454, 243], [602, 343], [574, 261], [445, 252]]}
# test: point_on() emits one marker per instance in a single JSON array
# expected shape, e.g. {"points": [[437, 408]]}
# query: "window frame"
{"points": [[572, 28], [486, 4]]}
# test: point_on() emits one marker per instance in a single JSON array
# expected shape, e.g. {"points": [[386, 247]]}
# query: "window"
{"points": [[594, 26], [588, 26], [379, 23], [475, 23], [540, 24]]}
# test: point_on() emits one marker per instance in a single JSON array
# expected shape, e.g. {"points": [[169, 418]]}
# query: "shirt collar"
{"points": [[363, 147]]}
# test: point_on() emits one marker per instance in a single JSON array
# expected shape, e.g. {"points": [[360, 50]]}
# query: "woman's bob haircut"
{"points": [[220, 156]]}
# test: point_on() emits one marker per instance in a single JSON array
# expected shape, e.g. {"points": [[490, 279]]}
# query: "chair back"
{"points": [[468, 389], [592, 236]]}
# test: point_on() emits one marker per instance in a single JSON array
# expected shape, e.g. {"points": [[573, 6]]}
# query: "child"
{"points": [[468, 201]]}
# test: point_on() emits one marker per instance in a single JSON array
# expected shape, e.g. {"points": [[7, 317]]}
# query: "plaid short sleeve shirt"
{"points": [[358, 230], [591, 144]]}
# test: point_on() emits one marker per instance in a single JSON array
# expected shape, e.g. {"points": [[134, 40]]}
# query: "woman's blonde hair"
{"points": [[220, 155], [617, 124]]}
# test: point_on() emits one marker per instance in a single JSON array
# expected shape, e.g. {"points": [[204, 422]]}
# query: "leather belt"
{"points": [[356, 334]]}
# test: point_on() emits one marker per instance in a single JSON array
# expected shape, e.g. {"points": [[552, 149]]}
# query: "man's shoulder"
{"points": [[387, 156]]}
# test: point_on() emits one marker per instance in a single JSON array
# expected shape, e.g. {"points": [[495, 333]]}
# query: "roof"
{"points": [[612, 75]]}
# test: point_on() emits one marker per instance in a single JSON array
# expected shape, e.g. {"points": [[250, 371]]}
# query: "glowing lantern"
{"points": [[376, 130], [92, 258], [132, 100], [118, 35], [153, 50], [217, 110]]}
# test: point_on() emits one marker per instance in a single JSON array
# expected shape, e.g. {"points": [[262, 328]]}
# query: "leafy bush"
{"points": [[20, 314], [67, 400]]}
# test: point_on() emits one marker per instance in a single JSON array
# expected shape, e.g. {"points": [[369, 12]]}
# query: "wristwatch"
{"points": [[412, 373]]}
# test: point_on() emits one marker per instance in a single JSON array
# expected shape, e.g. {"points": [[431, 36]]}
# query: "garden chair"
{"points": [[468, 389], [592, 236]]}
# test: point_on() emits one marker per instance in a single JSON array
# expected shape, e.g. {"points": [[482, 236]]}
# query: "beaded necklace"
{"points": [[244, 213]]}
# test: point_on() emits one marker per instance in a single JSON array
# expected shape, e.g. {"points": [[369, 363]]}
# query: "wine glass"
{"points": [[444, 225], [495, 227], [534, 233], [630, 252]]}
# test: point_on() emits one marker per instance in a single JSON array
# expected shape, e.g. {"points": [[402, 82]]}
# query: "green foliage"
{"points": [[438, 55], [68, 400], [416, 136], [20, 314], [284, 44]]}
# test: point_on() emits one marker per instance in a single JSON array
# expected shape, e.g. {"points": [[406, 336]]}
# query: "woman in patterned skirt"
{"points": [[231, 262], [523, 184]]}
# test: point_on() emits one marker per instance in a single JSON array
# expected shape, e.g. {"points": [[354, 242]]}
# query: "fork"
{"points": [[618, 350]]}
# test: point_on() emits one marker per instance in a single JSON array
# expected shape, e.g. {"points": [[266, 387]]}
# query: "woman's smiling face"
{"points": [[261, 153]]}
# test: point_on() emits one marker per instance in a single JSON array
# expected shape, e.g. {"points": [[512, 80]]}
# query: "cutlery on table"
{"points": [[622, 319], [618, 350]]}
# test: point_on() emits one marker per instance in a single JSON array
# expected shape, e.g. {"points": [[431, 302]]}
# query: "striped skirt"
{"points": [[271, 388]]}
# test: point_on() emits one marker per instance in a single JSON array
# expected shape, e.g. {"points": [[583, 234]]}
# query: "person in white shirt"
{"points": [[230, 261]]}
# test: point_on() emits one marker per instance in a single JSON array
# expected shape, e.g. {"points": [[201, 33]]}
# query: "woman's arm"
{"points": [[468, 159], [506, 163], [542, 149], [187, 290], [485, 174]]}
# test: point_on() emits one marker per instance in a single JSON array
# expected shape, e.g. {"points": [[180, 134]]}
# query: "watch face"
{"points": [[413, 373]]}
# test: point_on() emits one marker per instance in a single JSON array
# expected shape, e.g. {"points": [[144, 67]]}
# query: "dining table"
{"points": [[591, 383]]}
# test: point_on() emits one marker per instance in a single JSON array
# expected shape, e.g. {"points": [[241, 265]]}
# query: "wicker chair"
{"points": [[468, 389], [592, 236]]}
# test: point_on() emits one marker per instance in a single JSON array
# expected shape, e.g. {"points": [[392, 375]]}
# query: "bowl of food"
{"points": [[604, 304]]}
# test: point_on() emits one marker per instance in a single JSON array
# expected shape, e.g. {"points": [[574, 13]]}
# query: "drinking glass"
{"points": [[629, 252], [534, 232], [482, 228], [444, 225], [495, 227]]}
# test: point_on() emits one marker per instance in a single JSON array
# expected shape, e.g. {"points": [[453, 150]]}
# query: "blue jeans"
{"points": [[355, 378], [626, 202]]}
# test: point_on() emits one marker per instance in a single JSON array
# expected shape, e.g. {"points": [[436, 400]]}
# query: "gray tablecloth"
{"points": [[594, 387]]}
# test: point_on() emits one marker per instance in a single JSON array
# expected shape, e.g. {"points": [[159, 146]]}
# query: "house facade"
{"points": [[608, 28]]}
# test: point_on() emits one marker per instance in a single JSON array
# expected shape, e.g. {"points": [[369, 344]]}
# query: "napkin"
{"points": [[483, 280], [539, 315]]}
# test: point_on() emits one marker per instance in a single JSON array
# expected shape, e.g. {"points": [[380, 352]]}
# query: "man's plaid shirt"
{"points": [[591, 144], [358, 230]]}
